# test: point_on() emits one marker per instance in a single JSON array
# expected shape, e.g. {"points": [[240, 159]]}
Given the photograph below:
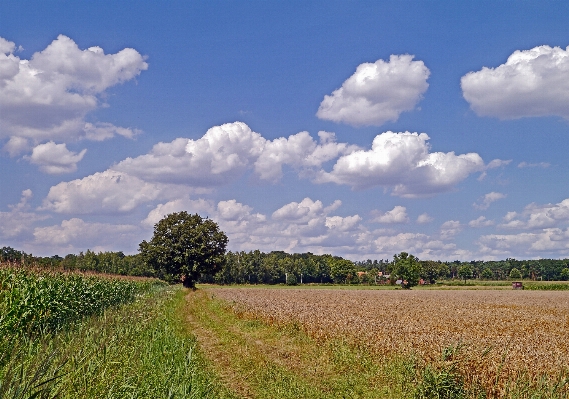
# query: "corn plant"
{"points": [[32, 302]]}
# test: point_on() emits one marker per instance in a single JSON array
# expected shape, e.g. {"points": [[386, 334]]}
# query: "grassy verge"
{"points": [[501, 284], [443, 284], [258, 360], [140, 350], [305, 286]]}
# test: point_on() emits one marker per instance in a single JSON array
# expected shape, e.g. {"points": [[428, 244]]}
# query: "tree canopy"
{"points": [[407, 268], [184, 247], [465, 272], [342, 270]]}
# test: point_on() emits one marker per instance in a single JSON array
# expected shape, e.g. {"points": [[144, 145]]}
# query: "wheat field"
{"points": [[493, 337]]}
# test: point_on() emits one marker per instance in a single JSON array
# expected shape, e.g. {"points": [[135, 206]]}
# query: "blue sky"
{"points": [[360, 129]]}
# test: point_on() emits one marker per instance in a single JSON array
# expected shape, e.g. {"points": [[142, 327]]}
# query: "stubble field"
{"points": [[493, 338]]}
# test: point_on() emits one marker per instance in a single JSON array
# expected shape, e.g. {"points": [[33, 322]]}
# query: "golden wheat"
{"points": [[504, 335]]}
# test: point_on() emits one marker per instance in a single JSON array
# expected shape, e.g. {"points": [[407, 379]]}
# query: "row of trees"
{"points": [[541, 269], [101, 262], [193, 249], [279, 267]]}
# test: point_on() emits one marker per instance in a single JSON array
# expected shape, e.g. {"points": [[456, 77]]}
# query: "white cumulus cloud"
{"points": [[48, 96], [531, 83], [484, 202], [224, 153], [544, 243], [397, 215], [19, 219], [424, 218], [343, 223], [103, 130], [55, 158], [421, 245], [402, 161], [299, 151], [199, 206], [16, 146], [105, 192], [536, 216], [546, 233], [481, 222], [450, 229], [307, 225], [76, 235], [377, 92], [303, 211]]}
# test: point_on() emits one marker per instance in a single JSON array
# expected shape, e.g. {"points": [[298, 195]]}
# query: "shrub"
{"points": [[515, 274], [291, 279], [445, 383]]}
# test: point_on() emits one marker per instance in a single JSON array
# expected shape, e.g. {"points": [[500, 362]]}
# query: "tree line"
{"points": [[89, 261], [192, 249], [278, 267]]}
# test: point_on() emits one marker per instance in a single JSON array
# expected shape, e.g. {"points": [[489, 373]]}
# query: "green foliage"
{"points": [[486, 274], [407, 268], [342, 270], [8, 254], [291, 279], [256, 267], [515, 274], [465, 272], [546, 287], [368, 278], [184, 247], [445, 383], [102, 262], [140, 350], [432, 270], [35, 302], [565, 274]]}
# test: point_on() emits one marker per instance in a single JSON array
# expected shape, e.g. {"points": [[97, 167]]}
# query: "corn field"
{"points": [[34, 302], [496, 340]]}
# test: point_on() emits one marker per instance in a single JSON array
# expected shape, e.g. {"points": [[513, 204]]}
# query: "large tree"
{"points": [[465, 272], [342, 270], [184, 246], [407, 268]]}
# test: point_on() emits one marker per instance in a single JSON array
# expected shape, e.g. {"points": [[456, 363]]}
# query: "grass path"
{"points": [[259, 361]]}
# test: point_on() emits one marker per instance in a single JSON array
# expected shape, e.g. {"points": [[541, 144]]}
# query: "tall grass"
{"points": [[139, 350]]}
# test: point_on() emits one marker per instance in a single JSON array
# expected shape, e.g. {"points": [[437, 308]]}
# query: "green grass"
{"points": [[269, 362], [442, 284], [306, 286], [501, 284], [140, 350]]}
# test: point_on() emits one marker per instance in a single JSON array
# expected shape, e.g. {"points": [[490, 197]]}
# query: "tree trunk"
{"points": [[188, 282]]}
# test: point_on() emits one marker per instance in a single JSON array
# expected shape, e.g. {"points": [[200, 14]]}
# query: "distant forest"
{"points": [[278, 267]]}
